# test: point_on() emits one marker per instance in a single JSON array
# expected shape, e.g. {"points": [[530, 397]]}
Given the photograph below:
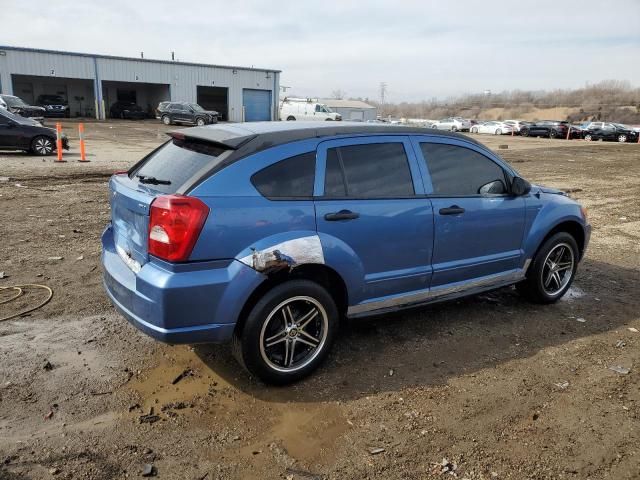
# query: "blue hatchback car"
{"points": [[268, 234]]}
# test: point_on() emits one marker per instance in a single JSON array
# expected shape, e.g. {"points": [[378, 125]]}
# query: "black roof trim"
{"points": [[245, 139], [255, 140]]}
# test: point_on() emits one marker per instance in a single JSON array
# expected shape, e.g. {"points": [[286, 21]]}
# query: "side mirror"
{"points": [[519, 186]]}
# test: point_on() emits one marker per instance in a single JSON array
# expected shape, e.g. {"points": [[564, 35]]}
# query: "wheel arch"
{"points": [[321, 274], [573, 228]]}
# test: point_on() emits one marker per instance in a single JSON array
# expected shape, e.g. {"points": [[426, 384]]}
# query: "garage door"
{"points": [[214, 98], [257, 105]]}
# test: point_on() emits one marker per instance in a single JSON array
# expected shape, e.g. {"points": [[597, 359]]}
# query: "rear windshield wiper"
{"points": [[152, 180]]}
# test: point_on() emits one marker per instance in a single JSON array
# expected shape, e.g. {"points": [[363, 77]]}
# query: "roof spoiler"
{"points": [[229, 140]]}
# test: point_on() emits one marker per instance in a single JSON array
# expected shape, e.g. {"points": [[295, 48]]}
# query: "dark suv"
{"points": [[54, 106], [183, 112], [546, 128]]}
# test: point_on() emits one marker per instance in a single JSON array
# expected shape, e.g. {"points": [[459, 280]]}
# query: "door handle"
{"points": [[452, 210], [341, 215]]}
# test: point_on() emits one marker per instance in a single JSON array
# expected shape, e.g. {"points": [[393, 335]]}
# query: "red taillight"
{"points": [[174, 226]]}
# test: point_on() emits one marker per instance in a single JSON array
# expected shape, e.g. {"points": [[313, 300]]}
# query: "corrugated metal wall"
{"points": [[183, 79]]}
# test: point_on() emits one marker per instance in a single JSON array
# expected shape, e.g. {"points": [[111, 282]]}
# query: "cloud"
{"points": [[420, 49]]}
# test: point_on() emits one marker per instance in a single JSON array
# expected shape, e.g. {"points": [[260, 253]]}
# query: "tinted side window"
{"points": [[289, 178], [460, 171], [371, 170]]}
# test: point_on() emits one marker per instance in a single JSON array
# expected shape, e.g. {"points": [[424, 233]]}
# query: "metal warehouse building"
{"points": [[352, 109], [92, 83]]}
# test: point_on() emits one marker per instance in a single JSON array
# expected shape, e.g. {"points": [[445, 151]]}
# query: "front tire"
{"points": [[166, 119], [552, 271], [524, 133], [288, 333], [498, 132], [553, 134], [291, 118], [200, 122], [474, 130], [42, 146]]}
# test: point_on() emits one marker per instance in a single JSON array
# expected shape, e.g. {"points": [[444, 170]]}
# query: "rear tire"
{"points": [[454, 129], [588, 137], [622, 138], [291, 118], [553, 134], [524, 133], [552, 271], [474, 130], [288, 333], [498, 132]]}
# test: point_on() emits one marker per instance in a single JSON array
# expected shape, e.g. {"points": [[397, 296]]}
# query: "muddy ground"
{"points": [[498, 387]]}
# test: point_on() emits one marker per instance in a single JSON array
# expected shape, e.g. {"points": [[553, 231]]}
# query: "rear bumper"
{"points": [[188, 303]]}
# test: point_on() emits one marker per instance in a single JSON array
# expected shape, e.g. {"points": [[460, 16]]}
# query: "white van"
{"points": [[306, 109]]}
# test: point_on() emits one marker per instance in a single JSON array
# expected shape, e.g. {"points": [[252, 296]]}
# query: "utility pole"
{"points": [[383, 91]]}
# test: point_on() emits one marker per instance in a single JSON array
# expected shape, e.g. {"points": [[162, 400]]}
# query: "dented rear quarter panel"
{"points": [[240, 217]]}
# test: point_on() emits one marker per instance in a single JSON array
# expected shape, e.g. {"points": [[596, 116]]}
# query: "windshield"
{"points": [[52, 99], [13, 101], [196, 107]]}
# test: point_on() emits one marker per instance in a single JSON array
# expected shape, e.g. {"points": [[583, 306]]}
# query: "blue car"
{"points": [[269, 234]]}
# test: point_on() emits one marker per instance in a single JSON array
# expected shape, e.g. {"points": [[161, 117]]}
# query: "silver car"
{"points": [[453, 124]]}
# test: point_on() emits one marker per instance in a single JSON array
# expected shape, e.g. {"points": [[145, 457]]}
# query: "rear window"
{"points": [[289, 178], [176, 162]]}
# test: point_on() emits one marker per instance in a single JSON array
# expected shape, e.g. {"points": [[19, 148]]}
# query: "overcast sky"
{"points": [[421, 49]]}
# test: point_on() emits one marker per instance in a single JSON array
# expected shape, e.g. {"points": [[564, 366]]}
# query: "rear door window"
{"points": [[289, 178], [176, 162], [458, 171], [374, 170]]}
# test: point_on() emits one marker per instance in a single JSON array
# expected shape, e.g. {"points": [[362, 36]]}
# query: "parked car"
{"points": [[516, 125], [269, 236], [493, 128], [453, 124], [54, 106], [128, 110], [186, 113], [20, 133], [611, 132], [162, 106], [306, 109], [20, 107], [545, 128]]}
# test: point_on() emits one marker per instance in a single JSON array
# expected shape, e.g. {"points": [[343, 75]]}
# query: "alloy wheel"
{"points": [[622, 138], [294, 334], [43, 146], [558, 269]]}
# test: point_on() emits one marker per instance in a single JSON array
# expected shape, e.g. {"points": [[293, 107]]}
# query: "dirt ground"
{"points": [[481, 388]]}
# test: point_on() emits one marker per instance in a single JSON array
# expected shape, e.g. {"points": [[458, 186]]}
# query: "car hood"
{"points": [[543, 189]]}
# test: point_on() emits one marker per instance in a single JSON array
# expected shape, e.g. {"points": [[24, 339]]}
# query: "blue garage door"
{"points": [[257, 105]]}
